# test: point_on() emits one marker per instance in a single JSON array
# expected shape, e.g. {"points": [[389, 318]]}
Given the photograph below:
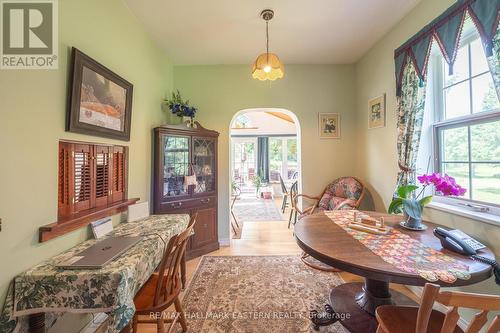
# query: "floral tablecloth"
{"points": [[45, 288]]}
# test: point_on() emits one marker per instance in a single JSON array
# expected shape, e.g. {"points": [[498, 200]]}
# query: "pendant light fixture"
{"points": [[267, 66]]}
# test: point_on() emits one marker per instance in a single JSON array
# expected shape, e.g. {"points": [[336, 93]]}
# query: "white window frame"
{"points": [[284, 154], [242, 140], [488, 212]]}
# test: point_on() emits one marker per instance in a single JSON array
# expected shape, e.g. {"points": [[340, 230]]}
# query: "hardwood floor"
{"points": [[265, 238]]}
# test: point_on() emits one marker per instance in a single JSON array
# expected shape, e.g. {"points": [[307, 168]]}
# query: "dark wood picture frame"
{"points": [[79, 61]]}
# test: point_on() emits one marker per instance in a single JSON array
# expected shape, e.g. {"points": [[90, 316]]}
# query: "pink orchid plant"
{"points": [[405, 200], [444, 184]]}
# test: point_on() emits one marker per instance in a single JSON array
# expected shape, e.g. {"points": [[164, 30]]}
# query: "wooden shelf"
{"points": [[81, 219]]}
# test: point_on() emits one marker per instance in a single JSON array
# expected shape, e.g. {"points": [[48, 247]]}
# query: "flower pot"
{"points": [[173, 119], [412, 223]]}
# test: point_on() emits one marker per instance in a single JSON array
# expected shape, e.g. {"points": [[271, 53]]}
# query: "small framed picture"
{"points": [[376, 112], [329, 126], [100, 100]]}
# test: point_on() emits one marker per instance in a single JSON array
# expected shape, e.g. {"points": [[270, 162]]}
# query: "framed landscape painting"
{"points": [[329, 126], [376, 112], [100, 100]]}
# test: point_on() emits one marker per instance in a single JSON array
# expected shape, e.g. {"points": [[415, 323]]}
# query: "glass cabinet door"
{"points": [[175, 165], [204, 164]]}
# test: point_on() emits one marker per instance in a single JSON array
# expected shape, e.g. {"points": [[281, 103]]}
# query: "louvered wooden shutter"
{"points": [[90, 176], [119, 171], [65, 179], [102, 179], [82, 170]]}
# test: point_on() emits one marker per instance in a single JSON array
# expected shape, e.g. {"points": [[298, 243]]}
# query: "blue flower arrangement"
{"points": [[179, 107]]}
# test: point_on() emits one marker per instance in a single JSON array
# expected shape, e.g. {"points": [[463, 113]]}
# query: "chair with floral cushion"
{"points": [[343, 193]]}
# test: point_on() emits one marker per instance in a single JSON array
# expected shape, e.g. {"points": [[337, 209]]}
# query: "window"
{"points": [[243, 122], [244, 159], [282, 158], [92, 184], [467, 122], [90, 176]]}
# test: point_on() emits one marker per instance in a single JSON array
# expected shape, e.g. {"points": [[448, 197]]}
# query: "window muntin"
{"points": [[467, 131]]}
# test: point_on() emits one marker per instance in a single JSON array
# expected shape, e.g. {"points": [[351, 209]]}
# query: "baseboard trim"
{"points": [[224, 241], [462, 323]]}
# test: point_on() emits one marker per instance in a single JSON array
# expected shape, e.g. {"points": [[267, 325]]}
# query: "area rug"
{"points": [[256, 209], [247, 294]]}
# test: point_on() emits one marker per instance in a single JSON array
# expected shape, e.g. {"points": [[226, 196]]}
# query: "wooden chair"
{"points": [[251, 174], [294, 207], [395, 319], [284, 190], [235, 194], [163, 288], [342, 193]]}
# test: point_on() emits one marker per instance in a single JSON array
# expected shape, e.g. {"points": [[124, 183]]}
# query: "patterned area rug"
{"points": [[255, 209], [256, 294]]}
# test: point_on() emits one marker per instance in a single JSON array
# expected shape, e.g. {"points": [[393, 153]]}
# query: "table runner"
{"points": [[45, 288], [404, 252]]}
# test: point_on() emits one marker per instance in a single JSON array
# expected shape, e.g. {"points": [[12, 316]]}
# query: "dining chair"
{"points": [[295, 210], [423, 319], [251, 174], [284, 190], [235, 194], [163, 288]]}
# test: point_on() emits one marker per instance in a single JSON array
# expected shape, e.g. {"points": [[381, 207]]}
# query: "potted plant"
{"points": [[181, 108], [257, 182], [409, 203]]}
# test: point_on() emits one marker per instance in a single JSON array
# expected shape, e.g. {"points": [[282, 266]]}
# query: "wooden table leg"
{"points": [[37, 323], [183, 270], [355, 303]]}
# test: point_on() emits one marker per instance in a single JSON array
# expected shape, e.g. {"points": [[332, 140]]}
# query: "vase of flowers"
{"points": [[411, 204], [181, 109]]}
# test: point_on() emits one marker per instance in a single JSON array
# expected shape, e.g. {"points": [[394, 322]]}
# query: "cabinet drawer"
{"points": [[182, 205]]}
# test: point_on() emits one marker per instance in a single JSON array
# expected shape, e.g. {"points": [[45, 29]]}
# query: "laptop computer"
{"points": [[99, 254]]}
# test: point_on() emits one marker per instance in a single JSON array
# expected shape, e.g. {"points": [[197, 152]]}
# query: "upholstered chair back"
{"points": [[342, 193]]}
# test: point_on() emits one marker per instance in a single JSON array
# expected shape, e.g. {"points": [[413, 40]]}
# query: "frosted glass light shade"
{"points": [[268, 67]]}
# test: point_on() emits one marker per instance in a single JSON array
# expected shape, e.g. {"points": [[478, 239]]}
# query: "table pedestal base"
{"points": [[354, 305]]}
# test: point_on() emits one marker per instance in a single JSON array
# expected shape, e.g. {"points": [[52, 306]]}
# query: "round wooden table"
{"points": [[326, 241]]}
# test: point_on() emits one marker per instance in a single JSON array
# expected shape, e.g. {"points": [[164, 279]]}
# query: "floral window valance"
{"points": [[446, 30]]}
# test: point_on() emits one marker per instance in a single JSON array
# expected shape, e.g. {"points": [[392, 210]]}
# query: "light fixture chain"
{"points": [[267, 41]]}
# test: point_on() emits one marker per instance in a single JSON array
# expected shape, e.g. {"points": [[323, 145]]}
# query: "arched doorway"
{"points": [[265, 149]]}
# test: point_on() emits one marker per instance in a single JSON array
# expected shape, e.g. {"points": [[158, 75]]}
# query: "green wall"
{"points": [[306, 90], [33, 108], [376, 159], [32, 118]]}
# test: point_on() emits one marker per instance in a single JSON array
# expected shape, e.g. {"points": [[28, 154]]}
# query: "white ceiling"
{"points": [[302, 31]]}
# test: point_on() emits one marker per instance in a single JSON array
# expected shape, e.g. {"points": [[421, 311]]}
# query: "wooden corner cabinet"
{"points": [[181, 152]]}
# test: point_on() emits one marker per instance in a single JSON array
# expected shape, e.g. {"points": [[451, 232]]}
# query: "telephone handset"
{"points": [[457, 241]]}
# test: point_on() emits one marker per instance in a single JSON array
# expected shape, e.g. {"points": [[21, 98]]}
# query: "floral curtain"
{"points": [[411, 60], [494, 62], [411, 104]]}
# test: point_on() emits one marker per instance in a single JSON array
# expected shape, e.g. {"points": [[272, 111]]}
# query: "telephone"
{"points": [[457, 241], [460, 242]]}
